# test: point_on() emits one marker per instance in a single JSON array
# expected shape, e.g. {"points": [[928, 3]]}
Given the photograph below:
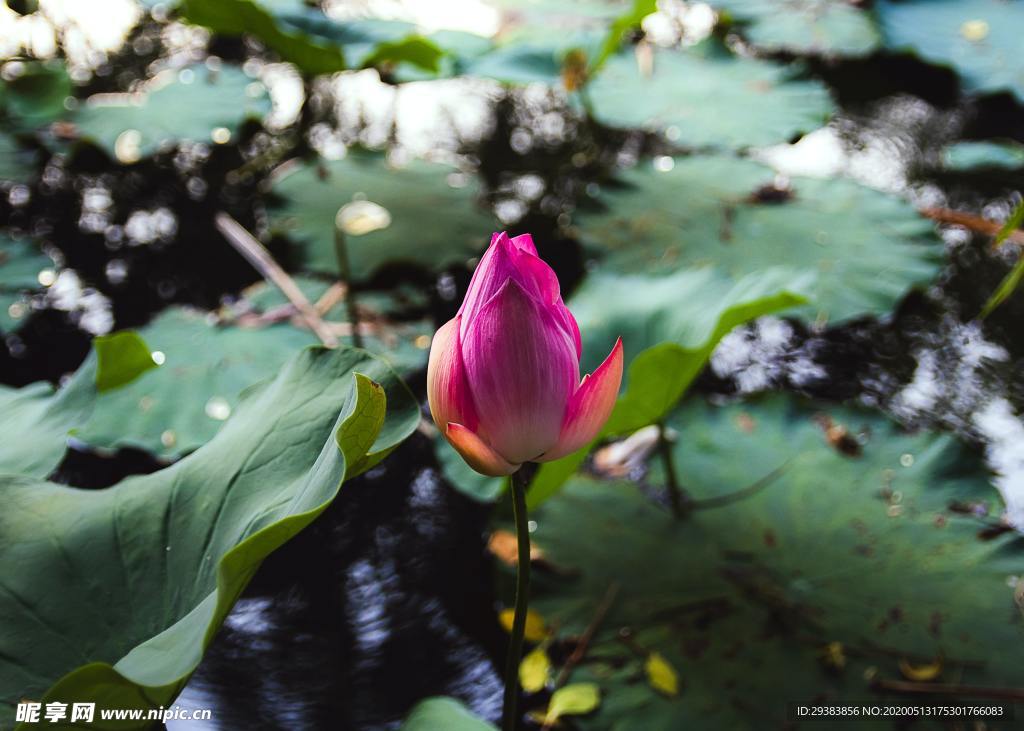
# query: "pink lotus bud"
{"points": [[504, 375]]}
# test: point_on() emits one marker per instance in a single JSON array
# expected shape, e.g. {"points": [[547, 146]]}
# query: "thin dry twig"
{"points": [[977, 691], [336, 293], [969, 220], [257, 255], [580, 651], [719, 500]]}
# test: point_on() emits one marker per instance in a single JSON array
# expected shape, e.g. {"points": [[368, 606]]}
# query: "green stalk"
{"points": [[341, 252], [509, 715], [677, 497]]}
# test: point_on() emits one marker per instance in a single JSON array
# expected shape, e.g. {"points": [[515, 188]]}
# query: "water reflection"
{"points": [[378, 604]]}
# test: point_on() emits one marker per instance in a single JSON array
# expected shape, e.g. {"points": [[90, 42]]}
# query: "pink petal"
{"points": [[524, 242], [573, 328], [522, 370], [507, 259], [447, 389], [477, 454], [590, 406]]}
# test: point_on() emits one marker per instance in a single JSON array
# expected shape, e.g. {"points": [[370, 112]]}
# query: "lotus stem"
{"points": [[509, 715], [677, 497], [345, 272]]}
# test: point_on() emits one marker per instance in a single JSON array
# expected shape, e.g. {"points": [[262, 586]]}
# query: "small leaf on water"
{"points": [[661, 675], [833, 655], [536, 628], [921, 673], [534, 670], [122, 357], [572, 700]]}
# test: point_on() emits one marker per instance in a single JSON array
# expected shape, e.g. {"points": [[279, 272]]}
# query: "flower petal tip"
{"points": [[476, 452], [590, 406], [447, 390], [524, 242]]}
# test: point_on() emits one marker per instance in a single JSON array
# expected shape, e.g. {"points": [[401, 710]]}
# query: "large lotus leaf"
{"points": [[520, 63], [309, 39], [971, 155], [21, 262], [368, 42], [554, 20], [841, 564], [979, 39], [536, 36], [669, 328], [37, 420], [826, 27], [194, 104], [36, 96], [866, 248], [431, 223], [443, 713], [713, 97], [685, 307], [179, 406], [111, 596], [237, 17], [16, 162]]}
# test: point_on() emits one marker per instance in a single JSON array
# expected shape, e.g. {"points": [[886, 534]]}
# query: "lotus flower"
{"points": [[504, 374]]}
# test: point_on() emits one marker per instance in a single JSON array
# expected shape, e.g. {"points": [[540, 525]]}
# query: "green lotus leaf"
{"points": [[38, 419], [979, 39], [863, 549], [194, 104], [443, 713], [866, 249], [409, 196], [706, 94], [111, 596], [669, 329], [821, 27]]}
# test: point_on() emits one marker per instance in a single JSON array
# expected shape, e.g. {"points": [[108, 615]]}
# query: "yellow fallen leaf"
{"points": [[572, 700], [536, 628], [661, 675], [921, 673], [833, 655], [504, 546], [574, 69], [534, 670]]}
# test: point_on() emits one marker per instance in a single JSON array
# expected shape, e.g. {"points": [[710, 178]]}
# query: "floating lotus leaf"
{"points": [[979, 39], [406, 198], [866, 550], [865, 248], [21, 264], [183, 403], [969, 155], [825, 27], [711, 97], [193, 104]]}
